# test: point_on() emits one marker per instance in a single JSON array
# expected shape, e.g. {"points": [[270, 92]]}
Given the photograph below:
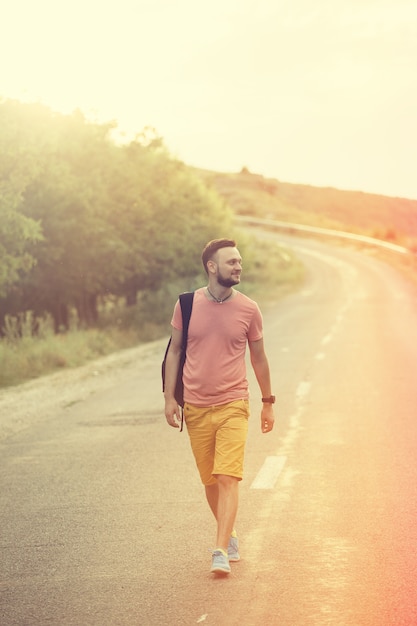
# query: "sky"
{"points": [[321, 93]]}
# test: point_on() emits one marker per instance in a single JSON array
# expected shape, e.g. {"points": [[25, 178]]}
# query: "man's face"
{"points": [[228, 266]]}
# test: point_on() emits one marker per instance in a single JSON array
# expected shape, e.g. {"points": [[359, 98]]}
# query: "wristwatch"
{"points": [[270, 400]]}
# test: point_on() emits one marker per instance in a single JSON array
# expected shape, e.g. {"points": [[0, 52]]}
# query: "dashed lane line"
{"points": [[269, 472], [302, 389]]}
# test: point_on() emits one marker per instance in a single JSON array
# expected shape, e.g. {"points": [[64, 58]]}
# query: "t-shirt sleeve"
{"points": [[255, 331], [176, 321]]}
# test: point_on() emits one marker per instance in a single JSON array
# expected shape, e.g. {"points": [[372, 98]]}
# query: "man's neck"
{"points": [[219, 293]]}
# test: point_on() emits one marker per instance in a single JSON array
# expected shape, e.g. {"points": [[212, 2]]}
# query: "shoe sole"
{"points": [[221, 569], [223, 572]]}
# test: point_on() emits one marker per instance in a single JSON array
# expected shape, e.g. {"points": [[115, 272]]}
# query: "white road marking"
{"points": [[303, 389], [327, 339], [291, 435], [269, 472]]}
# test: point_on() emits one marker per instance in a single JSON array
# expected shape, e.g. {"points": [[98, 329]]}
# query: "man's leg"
{"points": [[212, 495], [227, 504], [223, 499]]}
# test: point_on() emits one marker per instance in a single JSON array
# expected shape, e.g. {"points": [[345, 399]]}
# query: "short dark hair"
{"points": [[211, 248]]}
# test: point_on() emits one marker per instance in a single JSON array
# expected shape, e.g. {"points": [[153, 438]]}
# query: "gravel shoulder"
{"points": [[38, 400]]}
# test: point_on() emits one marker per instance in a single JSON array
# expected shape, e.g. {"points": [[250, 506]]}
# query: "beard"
{"points": [[228, 282]]}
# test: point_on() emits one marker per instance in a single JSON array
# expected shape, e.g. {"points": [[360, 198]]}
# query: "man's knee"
{"points": [[227, 482]]}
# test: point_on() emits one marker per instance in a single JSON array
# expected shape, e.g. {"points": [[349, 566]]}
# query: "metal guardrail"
{"points": [[289, 227]]}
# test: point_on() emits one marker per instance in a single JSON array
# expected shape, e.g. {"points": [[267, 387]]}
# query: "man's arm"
{"points": [[172, 412], [261, 368]]}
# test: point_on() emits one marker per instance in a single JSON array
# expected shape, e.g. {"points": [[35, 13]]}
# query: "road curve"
{"points": [[103, 519]]}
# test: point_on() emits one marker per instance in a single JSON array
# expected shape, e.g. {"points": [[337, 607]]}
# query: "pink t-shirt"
{"points": [[215, 368]]}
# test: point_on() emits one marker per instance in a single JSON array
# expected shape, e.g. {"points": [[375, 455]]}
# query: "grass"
{"points": [[24, 355], [31, 357]]}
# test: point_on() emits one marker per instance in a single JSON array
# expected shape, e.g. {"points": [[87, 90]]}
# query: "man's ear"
{"points": [[211, 266]]}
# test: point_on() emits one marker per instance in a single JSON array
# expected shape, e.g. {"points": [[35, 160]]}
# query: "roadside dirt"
{"points": [[37, 400]]}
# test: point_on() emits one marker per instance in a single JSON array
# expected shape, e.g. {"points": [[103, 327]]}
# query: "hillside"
{"points": [[391, 219]]}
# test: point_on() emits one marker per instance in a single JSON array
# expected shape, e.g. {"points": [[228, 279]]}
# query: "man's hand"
{"points": [[267, 418], [172, 413]]}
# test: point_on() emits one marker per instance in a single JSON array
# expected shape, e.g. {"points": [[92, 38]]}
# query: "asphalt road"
{"points": [[103, 520]]}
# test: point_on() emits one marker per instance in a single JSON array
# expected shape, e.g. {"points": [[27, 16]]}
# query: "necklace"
{"points": [[220, 300]]}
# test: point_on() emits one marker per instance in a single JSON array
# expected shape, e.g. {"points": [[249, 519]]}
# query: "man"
{"points": [[216, 395]]}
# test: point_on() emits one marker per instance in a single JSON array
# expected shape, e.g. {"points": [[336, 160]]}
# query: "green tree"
{"points": [[116, 219], [162, 214], [69, 198], [20, 134]]}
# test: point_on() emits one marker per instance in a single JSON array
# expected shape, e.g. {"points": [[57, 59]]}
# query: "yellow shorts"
{"points": [[218, 438]]}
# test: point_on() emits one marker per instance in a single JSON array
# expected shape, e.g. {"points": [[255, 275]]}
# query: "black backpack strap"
{"points": [[186, 303]]}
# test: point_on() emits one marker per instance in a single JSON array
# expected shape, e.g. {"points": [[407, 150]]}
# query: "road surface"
{"points": [[103, 520]]}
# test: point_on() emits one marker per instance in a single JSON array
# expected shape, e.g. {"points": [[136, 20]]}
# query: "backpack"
{"points": [[186, 302]]}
